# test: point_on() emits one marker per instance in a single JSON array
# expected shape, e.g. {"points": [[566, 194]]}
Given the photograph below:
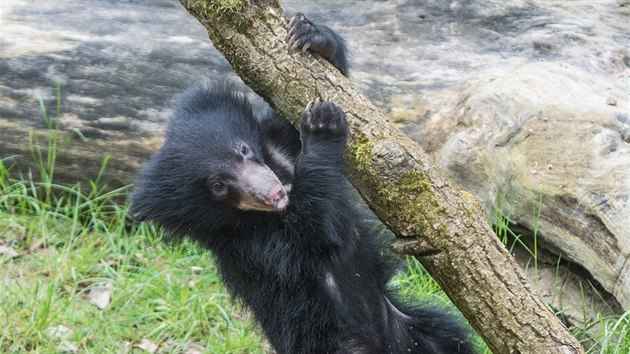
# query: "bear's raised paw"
{"points": [[323, 118]]}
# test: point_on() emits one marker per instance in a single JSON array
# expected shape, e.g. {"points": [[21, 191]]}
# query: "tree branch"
{"points": [[426, 210]]}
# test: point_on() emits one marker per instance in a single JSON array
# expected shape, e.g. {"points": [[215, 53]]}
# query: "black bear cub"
{"points": [[273, 205]]}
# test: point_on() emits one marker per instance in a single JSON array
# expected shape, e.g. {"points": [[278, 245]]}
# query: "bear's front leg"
{"points": [[319, 198]]}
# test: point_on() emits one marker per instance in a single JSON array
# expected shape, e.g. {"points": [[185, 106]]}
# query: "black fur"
{"points": [[310, 270]]}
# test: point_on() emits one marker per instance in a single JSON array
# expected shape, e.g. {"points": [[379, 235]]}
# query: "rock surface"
{"points": [[549, 136], [120, 65], [524, 103], [545, 137]]}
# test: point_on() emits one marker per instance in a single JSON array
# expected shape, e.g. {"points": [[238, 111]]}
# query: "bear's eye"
{"points": [[218, 188], [245, 150]]}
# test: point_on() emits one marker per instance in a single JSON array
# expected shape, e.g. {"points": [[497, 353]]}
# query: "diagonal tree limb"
{"points": [[435, 221]]}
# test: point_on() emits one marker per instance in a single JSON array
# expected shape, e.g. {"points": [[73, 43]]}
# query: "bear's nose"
{"points": [[278, 197]]}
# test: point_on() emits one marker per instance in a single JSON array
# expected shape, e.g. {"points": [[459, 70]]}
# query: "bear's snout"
{"points": [[260, 189]]}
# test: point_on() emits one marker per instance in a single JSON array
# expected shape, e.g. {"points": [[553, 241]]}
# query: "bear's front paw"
{"points": [[323, 118], [300, 32], [305, 35]]}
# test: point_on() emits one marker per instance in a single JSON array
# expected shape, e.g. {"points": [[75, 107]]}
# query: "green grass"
{"points": [[74, 243]]}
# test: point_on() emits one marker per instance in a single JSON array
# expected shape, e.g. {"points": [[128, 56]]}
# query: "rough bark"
{"points": [[435, 221]]}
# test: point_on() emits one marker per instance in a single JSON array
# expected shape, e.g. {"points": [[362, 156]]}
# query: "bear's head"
{"points": [[211, 165]]}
